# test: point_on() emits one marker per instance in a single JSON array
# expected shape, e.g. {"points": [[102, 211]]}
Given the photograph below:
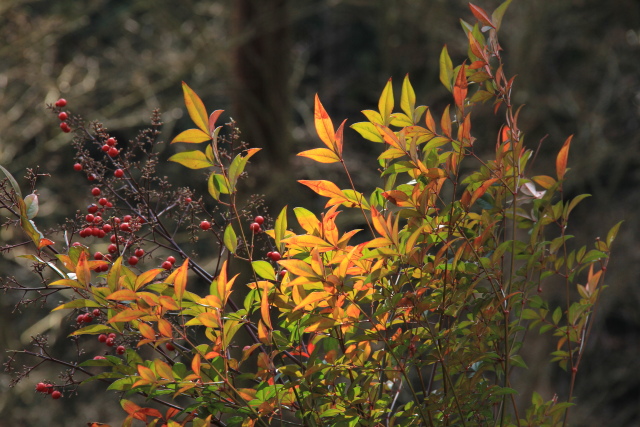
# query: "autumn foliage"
{"points": [[420, 318]]}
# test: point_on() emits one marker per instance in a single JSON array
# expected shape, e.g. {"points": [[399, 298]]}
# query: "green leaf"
{"points": [[280, 228], [12, 181], [237, 167], [496, 16], [94, 330], [264, 270], [77, 303], [446, 68], [31, 203], [217, 185], [230, 239], [195, 107], [557, 315], [368, 131], [192, 159], [611, 236], [122, 384]]}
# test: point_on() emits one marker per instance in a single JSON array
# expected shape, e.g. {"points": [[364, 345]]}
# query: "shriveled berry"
{"points": [[259, 219], [167, 265], [133, 260], [119, 173], [95, 191], [64, 126], [63, 116], [171, 259], [102, 338], [77, 167]]}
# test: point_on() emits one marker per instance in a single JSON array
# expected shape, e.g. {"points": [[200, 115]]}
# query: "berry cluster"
{"points": [[48, 389], [63, 116]]}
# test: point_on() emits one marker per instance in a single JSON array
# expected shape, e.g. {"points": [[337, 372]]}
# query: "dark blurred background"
{"points": [[578, 67]]}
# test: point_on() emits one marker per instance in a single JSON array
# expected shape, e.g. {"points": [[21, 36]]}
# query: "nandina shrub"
{"points": [[420, 323]]}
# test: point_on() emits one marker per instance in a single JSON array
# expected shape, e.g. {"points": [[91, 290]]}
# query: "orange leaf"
{"points": [[168, 303], [264, 333], [129, 406], [298, 267], [146, 277], [128, 315], [339, 139], [179, 278], [83, 273], [123, 295], [195, 364], [561, 160], [324, 188], [310, 299], [147, 331], [390, 137], [165, 328], [192, 136], [146, 373], [213, 118], [195, 107], [460, 88], [321, 155], [324, 126], [264, 305]]}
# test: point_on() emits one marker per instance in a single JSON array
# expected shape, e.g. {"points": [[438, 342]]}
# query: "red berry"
{"points": [[259, 219], [97, 219], [141, 220], [112, 335], [187, 200], [106, 266], [126, 218], [255, 227], [76, 244], [120, 349], [167, 265], [109, 204], [171, 259], [103, 201], [63, 116], [96, 232], [41, 387], [110, 342], [98, 256], [113, 151], [205, 225], [87, 318], [56, 394], [80, 318], [89, 217], [116, 220], [99, 358], [61, 102], [101, 233], [112, 248], [92, 208], [82, 233], [102, 338], [275, 256], [105, 148], [96, 312], [91, 177], [107, 228], [95, 191], [282, 273], [133, 260], [65, 127], [119, 173], [111, 141], [169, 346], [125, 226], [77, 167]]}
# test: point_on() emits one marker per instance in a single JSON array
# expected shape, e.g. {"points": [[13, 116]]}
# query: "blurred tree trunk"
{"points": [[261, 71]]}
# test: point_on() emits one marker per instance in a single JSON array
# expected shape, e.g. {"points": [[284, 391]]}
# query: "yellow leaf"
{"points": [[192, 136], [310, 299], [264, 304], [179, 278], [321, 155], [192, 159], [146, 277], [195, 107]]}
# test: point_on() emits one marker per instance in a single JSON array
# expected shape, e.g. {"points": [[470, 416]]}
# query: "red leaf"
{"points": [[481, 16], [561, 160], [460, 88]]}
